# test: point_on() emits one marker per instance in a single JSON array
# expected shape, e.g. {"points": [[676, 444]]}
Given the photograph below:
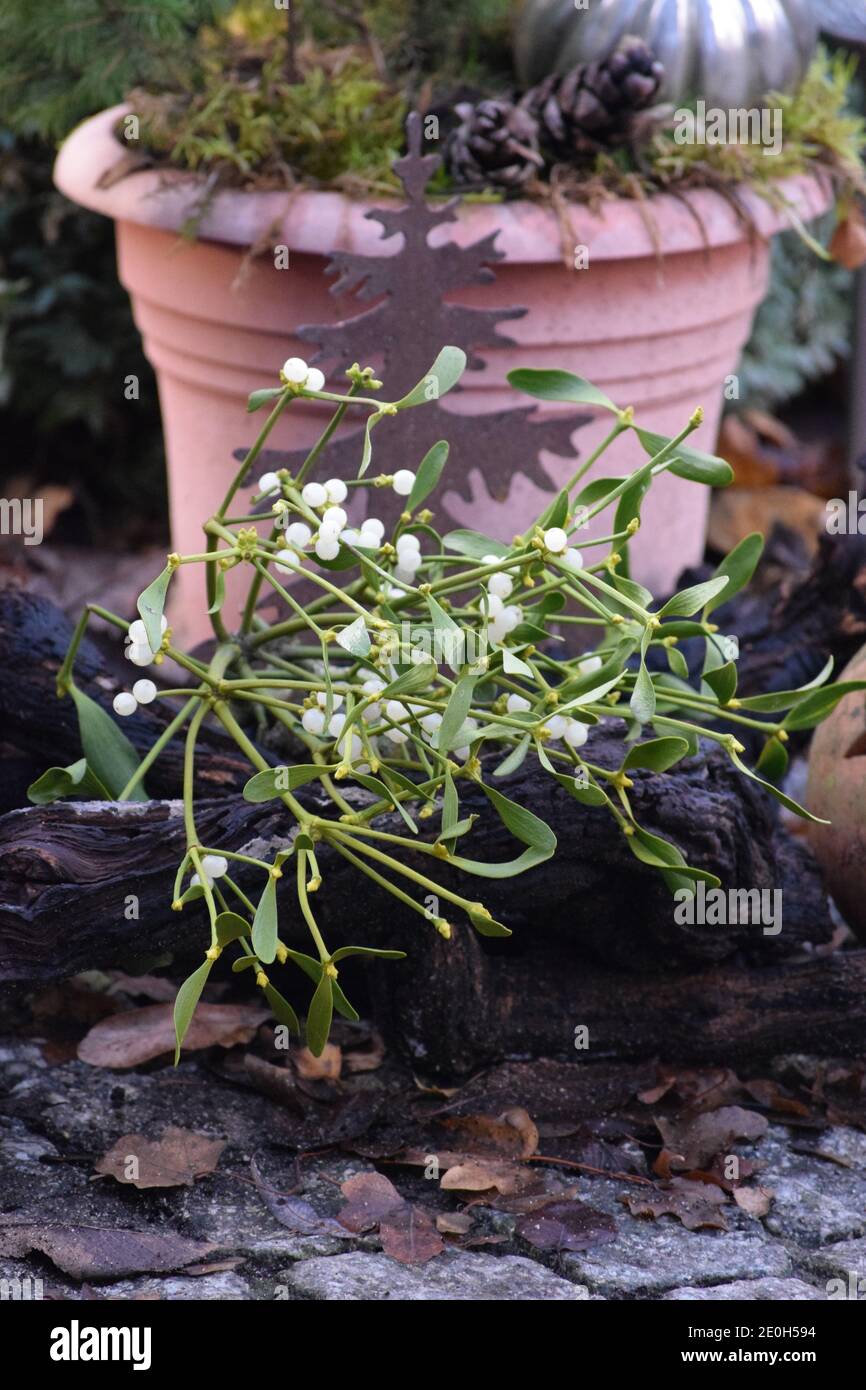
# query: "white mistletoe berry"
{"points": [[215, 866], [144, 692], [512, 617], [299, 534], [333, 520], [322, 700], [335, 725], [576, 733], [555, 540], [589, 665], [556, 725], [573, 558], [315, 380], [495, 606], [124, 703], [404, 481], [296, 370], [500, 585], [336, 490], [328, 546], [268, 483], [314, 495], [313, 721], [139, 653], [515, 704], [287, 560]]}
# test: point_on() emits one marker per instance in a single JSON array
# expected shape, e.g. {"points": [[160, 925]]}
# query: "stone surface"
{"points": [[652, 1256], [754, 1290], [845, 1260], [225, 1286], [59, 1118], [463, 1276]]}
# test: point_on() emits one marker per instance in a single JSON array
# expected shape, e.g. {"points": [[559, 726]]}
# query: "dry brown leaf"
{"points": [[848, 243], [755, 1201], [277, 1083], [408, 1234], [141, 1034], [512, 1134], [175, 1160], [694, 1141], [696, 1205], [772, 1097], [85, 1252], [138, 1035], [521, 1121], [324, 1068], [566, 1226], [370, 1198], [483, 1175], [703, 1088], [454, 1223]]}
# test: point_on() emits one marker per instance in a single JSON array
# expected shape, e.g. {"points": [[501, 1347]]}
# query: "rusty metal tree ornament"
{"points": [[405, 331]]}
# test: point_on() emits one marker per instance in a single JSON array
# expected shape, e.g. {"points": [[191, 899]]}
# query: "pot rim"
{"points": [[320, 221]]}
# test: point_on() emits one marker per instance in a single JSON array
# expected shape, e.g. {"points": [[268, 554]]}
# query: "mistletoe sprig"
{"points": [[419, 654]]}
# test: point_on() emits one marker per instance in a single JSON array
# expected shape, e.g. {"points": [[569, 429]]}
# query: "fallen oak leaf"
{"points": [[139, 1035], [695, 1205], [567, 1226], [175, 1160], [94, 1252]]}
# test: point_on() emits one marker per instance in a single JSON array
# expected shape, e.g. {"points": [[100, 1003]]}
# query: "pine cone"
{"points": [[593, 107], [495, 145]]}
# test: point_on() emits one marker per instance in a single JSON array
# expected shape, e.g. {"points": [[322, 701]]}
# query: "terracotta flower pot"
{"points": [[837, 793], [657, 325]]}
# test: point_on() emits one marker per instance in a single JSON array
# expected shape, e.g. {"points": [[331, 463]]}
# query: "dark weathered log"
{"points": [[459, 1009], [67, 872]]}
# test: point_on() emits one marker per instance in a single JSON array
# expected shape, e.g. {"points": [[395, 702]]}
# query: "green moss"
{"points": [[254, 126]]}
